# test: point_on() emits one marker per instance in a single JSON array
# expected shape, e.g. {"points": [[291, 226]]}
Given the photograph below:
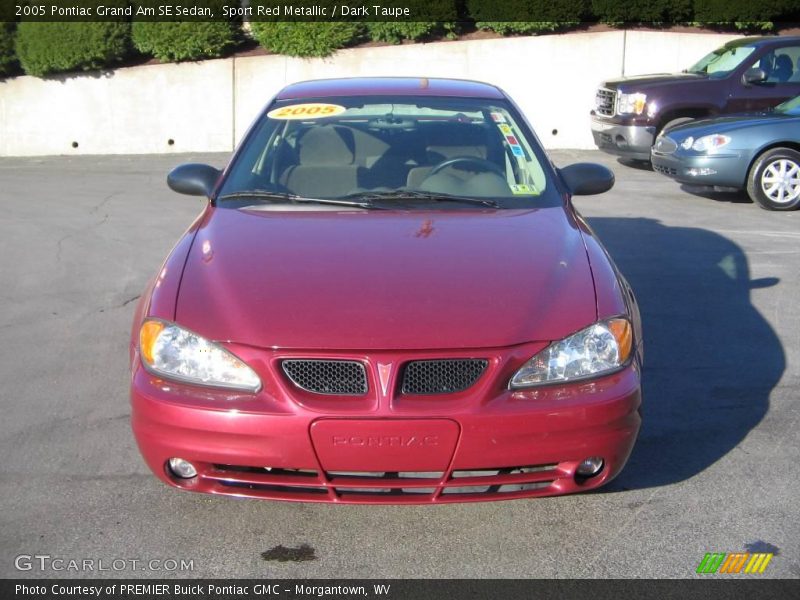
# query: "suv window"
{"points": [[781, 65]]}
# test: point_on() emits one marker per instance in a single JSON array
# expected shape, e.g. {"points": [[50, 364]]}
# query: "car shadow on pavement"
{"points": [[729, 196], [711, 359]]}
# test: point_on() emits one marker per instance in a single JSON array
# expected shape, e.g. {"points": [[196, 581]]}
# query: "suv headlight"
{"points": [[597, 350], [173, 352], [709, 143], [631, 103]]}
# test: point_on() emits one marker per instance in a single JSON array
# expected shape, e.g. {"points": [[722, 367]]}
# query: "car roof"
{"points": [[390, 86], [764, 40]]}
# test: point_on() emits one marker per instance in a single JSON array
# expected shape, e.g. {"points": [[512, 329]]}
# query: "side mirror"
{"points": [[753, 76], [193, 179], [586, 179]]}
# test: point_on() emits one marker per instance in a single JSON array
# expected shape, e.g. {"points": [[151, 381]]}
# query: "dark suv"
{"points": [[743, 75]]}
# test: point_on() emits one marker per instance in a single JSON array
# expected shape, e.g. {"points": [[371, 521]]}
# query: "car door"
{"points": [[782, 66]]}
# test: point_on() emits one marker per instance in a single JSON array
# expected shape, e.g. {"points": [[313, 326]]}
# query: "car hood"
{"points": [[640, 83], [732, 122], [386, 279]]}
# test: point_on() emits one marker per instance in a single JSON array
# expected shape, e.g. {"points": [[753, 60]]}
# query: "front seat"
{"points": [[783, 68], [326, 164]]}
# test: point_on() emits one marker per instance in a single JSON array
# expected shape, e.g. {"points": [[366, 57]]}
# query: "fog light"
{"points": [[590, 467], [693, 172], [182, 468]]}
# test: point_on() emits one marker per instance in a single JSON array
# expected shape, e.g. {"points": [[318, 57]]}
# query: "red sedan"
{"points": [[389, 298]]}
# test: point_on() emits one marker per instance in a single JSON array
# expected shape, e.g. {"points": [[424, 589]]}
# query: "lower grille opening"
{"points": [[508, 488], [383, 476], [267, 470], [507, 471], [422, 486], [344, 492], [665, 170], [275, 489]]}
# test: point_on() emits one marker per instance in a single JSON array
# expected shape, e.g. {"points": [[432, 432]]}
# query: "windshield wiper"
{"points": [[424, 196], [295, 199]]}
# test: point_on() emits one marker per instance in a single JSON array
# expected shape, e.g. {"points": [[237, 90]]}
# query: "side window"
{"points": [[781, 65]]}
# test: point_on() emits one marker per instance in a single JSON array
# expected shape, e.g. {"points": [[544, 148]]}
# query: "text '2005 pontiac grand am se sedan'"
{"points": [[389, 298]]}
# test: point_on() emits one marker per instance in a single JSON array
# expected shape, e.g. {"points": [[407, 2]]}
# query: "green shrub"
{"points": [[188, 40], [742, 14], [526, 16], [174, 40], [441, 15], [395, 32], [8, 59], [617, 12], [44, 48], [305, 39]]}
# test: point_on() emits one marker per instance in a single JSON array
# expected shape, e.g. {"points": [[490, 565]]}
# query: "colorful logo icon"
{"points": [[736, 562]]}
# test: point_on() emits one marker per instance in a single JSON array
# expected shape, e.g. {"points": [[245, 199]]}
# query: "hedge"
{"points": [[442, 16], [617, 12], [8, 59], [187, 40], [45, 48], [526, 16], [743, 14]]}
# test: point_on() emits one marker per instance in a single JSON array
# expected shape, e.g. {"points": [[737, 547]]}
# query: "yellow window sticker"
{"points": [[521, 188], [505, 129], [313, 110]]}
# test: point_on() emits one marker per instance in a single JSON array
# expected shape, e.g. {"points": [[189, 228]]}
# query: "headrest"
{"points": [[326, 145]]}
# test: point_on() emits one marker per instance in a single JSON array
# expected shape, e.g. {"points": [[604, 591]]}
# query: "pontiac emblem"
{"points": [[385, 373]]}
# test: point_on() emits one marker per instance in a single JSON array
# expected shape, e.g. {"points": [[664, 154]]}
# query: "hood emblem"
{"points": [[384, 373]]}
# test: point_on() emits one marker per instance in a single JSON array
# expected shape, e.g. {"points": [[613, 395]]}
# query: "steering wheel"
{"points": [[481, 163]]}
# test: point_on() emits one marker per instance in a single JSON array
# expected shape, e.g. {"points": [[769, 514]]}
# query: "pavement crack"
{"points": [[129, 300]]}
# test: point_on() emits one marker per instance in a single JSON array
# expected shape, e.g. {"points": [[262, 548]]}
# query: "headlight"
{"points": [[600, 348], [176, 353], [709, 143], [631, 103]]}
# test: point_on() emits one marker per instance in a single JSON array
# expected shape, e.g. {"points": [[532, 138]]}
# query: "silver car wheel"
{"points": [[780, 181]]}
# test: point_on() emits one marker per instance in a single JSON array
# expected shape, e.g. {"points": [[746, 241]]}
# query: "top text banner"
{"points": [[552, 11], [243, 10]]}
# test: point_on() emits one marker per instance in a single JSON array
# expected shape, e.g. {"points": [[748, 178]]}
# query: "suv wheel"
{"points": [[774, 179]]}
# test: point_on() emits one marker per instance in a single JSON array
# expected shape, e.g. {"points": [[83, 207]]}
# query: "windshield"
{"points": [[721, 61], [383, 150], [790, 107]]}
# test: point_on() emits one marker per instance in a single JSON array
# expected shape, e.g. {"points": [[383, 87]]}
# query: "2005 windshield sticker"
{"points": [[508, 133], [313, 110]]}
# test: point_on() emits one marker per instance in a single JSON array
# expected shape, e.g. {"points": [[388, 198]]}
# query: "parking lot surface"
{"points": [[715, 468]]}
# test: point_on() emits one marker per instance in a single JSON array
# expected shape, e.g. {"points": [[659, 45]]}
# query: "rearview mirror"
{"points": [[193, 179], [586, 179], [754, 75]]}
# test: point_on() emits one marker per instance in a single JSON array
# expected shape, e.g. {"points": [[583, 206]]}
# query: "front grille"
{"points": [[664, 170], [342, 377], [392, 487], [441, 376], [604, 102]]}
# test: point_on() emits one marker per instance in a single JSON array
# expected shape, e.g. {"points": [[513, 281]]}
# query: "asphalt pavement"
{"points": [[715, 468]]}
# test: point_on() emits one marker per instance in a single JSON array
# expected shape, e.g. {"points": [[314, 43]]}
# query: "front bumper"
{"points": [[722, 170], [487, 443], [627, 141]]}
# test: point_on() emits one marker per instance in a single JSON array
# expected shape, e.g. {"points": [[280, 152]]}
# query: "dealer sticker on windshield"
{"points": [[314, 110], [521, 188]]}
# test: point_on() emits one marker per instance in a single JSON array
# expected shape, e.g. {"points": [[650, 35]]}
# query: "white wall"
{"points": [[208, 106]]}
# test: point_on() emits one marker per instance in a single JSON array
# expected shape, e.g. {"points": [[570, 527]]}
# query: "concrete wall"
{"points": [[208, 106]]}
